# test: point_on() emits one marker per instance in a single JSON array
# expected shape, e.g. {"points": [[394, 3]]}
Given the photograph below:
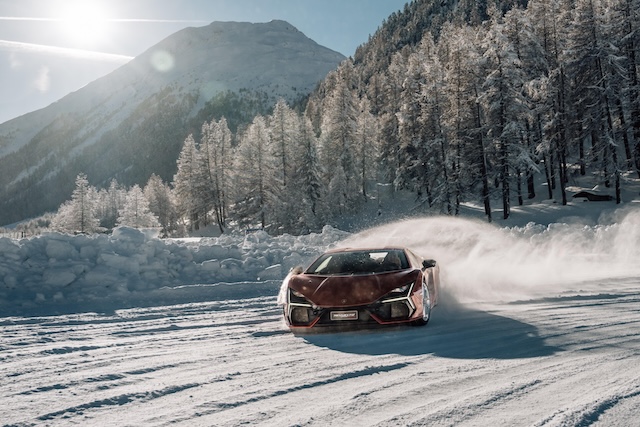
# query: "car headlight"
{"points": [[402, 289], [399, 292], [296, 293], [297, 297]]}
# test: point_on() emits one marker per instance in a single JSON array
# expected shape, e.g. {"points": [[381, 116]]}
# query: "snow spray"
{"points": [[484, 262]]}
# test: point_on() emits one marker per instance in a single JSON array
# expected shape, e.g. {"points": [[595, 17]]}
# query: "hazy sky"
{"points": [[49, 48]]}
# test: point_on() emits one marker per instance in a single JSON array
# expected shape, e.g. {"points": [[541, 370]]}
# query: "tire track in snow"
{"points": [[119, 400], [590, 413], [346, 376], [99, 380]]}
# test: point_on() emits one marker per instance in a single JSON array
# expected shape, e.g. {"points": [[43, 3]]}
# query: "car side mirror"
{"points": [[297, 270], [428, 263]]}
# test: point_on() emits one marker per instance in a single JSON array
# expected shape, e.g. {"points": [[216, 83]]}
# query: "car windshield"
{"points": [[359, 262]]}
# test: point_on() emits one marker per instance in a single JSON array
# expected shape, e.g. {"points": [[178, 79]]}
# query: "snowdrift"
{"points": [[59, 272]]}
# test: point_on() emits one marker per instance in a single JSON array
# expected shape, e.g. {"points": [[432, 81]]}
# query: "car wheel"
{"points": [[426, 306]]}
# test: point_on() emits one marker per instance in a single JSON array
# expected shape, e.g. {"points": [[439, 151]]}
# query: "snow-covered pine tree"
{"points": [[388, 105], [161, 204], [625, 24], [186, 184], [531, 64], [414, 153], [441, 162], [213, 164], [306, 179], [549, 91], [367, 145], [503, 102], [339, 119], [461, 115], [595, 65], [284, 129], [253, 170], [79, 214], [135, 212], [109, 201]]}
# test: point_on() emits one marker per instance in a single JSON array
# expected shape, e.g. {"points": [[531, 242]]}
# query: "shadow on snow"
{"points": [[454, 331]]}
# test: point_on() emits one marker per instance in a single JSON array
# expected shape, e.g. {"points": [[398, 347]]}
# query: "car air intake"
{"points": [[300, 315], [399, 310]]}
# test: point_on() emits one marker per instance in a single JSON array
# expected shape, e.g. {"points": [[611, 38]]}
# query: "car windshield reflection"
{"points": [[359, 262]]}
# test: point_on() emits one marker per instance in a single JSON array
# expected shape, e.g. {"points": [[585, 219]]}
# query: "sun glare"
{"points": [[85, 22]]}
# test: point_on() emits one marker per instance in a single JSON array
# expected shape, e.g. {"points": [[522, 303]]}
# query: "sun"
{"points": [[84, 22]]}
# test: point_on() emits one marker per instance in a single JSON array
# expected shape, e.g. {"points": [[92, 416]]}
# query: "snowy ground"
{"points": [[566, 360], [538, 325]]}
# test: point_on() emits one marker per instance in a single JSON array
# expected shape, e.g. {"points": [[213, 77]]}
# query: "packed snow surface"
{"points": [[538, 326]]}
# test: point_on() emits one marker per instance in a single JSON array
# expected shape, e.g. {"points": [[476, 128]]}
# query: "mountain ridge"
{"points": [[145, 109]]}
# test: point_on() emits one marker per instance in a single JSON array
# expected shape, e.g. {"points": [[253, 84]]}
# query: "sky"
{"points": [[49, 48]]}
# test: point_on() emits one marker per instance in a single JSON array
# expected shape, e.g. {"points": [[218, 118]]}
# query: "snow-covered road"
{"points": [[571, 359]]}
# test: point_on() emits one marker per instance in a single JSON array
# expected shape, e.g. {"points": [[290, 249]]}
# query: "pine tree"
{"points": [[307, 178], [367, 145], [531, 64], [441, 160], [339, 118], [631, 42], [214, 160], [503, 102], [161, 204], [462, 114], [389, 124], [414, 151], [109, 202], [625, 24], [186, 184], [594, 66], [135, 212], [284, 131], [78, 215], [253, 169]]}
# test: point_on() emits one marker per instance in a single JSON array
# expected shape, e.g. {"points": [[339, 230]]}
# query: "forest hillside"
{"points": [[456, 104]]}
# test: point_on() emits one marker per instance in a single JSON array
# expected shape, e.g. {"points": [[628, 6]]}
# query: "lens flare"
{"points": [[162, 61]]}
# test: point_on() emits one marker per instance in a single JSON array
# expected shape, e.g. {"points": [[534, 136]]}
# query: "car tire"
{"points": [[426, 306]]}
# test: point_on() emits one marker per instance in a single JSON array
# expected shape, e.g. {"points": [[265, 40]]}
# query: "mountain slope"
{"points": [[132, 122]]}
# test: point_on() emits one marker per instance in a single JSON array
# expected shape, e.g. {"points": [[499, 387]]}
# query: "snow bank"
{"points": [[60, 272], [56, 273]]}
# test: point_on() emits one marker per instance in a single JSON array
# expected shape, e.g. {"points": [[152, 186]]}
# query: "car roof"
{"points": [[365, 249]]}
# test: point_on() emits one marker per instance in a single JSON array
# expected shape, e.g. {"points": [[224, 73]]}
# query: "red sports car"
{"points": [[353, 287]]}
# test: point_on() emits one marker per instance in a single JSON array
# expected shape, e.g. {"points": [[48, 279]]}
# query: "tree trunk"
{"points": [[547, 172], [483, 163], [562, 170], [504, 167]]}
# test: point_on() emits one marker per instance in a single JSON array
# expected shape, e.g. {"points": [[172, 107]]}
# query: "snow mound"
{"points": [[479, 262], [64, 272]]}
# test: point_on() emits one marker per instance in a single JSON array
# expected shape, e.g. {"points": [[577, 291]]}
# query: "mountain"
{"points": [[132, 122]]}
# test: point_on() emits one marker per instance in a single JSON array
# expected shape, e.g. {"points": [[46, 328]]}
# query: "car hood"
{"points": [[352, 290]]}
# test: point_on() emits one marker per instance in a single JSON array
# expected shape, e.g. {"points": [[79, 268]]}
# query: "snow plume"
{"points": [[481, 261]]}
